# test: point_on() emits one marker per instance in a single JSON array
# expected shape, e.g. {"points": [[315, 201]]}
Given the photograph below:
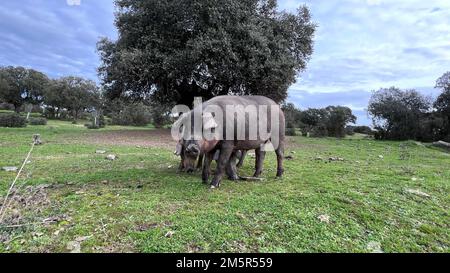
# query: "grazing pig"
{"points": [[189, 157], [229, 115]]}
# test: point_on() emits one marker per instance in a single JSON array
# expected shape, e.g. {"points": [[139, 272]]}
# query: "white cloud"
{"points": [[368, 44], [73, 2], [365, 45]]}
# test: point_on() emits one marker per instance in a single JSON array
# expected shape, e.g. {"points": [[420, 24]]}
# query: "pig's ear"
{"points": [[179, 148], [208, 121]]}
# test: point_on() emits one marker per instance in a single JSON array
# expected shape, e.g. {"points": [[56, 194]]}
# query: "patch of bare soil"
{"points": [[22, 209], [160, 138], [23, 200]]}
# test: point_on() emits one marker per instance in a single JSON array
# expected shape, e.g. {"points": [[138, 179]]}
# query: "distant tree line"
{"points": [[70, 98], [406, 114], [20, 86], [365, 130], [329, 121]]}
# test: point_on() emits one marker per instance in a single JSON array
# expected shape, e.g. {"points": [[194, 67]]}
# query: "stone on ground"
{"points": [[335, 159], [324, 218], [169, 234], [10, 169], [111, 157], [418, 192], [374, 247]]}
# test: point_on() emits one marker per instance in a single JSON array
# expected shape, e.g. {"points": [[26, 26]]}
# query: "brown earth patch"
{"points": [[152, 138], [160, 138]]}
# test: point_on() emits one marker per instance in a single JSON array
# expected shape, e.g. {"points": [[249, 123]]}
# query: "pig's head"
{"points": [[190, 149]]}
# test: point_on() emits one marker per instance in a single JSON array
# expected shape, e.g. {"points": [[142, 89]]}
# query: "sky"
{"points": [[360, 45]]}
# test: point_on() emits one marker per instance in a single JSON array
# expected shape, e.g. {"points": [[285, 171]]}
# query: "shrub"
{"points": [[37, 121], [101, 123], [319, 131], [291, 132], [132, 115], [363, 130], [350, 130], [379, 133], [6, 106], [160, 119], [92, 126], [12, 120], [108, 120]]}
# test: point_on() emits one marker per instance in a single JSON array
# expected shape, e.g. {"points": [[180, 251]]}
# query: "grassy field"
{"points": [[375, 196]]}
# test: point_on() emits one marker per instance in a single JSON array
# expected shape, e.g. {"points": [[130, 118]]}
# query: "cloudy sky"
{"points": [[361, 45]]}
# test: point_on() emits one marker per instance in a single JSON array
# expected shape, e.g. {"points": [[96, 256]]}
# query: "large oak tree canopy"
{"points": [[175, 50]]}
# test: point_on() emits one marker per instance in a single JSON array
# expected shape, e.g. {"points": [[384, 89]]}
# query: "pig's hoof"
{"points": [[280, 173], [213, 187], [233, 178]]}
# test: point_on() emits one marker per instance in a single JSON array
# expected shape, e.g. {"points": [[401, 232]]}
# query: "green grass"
{"points": [[131, 204]]}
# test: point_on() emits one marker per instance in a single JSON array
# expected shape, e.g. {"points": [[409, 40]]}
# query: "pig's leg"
{"points": [[225, 153], [200, 161], [241, 160], [181, 167], [280, 156], [231, 167], [259, 162], [206, 166], [216, 155]]}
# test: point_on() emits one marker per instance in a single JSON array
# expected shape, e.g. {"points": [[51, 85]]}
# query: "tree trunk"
{"points": [[17, 108], [75, 116]]}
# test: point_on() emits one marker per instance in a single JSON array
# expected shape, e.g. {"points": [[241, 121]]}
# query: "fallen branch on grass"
{"points": [[22, 225], [251, 178], [442, 144]]}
